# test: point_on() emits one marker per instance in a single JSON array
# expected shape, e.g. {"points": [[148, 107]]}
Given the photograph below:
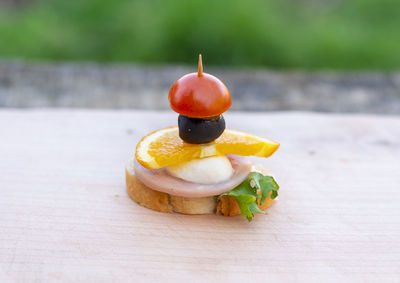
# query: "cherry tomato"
{"points": [[199, 96]]}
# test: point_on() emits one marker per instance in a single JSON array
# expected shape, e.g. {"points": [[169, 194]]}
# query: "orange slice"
{"points": [[164, 147]]}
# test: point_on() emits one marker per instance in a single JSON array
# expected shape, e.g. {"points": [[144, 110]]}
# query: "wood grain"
{"points": [[65, 215]]}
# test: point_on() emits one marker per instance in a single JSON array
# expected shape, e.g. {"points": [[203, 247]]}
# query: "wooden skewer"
{"points": [[200, 68]]}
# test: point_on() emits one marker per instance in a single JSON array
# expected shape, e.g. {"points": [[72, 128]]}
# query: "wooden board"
{"points": [[65, 215]]}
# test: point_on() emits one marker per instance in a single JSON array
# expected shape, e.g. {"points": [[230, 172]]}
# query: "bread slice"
{"points": [[163, 202]]}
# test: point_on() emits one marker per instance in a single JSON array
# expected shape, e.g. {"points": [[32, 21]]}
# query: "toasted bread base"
{"points": [[163, 202]]}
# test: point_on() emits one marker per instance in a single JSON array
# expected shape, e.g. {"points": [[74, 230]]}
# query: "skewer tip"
{"points": [[200, 68]]}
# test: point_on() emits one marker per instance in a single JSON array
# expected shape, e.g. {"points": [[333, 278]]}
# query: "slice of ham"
{"points": [[160, 180]]}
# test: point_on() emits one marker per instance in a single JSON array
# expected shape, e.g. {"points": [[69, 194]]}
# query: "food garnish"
{"points": [[200, 130], [164, 147], [200, 99], [199, 95], [247, 194]]}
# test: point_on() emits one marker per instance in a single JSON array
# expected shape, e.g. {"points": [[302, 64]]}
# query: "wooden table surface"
{"points": [[65, 215]]}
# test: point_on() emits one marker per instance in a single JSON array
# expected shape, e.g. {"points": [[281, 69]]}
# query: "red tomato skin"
{"points": [[199, 97]]}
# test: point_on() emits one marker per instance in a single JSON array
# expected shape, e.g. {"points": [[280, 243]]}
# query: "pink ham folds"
{"points": [[160, 180]]}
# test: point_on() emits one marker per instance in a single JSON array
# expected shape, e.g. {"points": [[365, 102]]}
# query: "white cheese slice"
{"points": [[208, 170]]}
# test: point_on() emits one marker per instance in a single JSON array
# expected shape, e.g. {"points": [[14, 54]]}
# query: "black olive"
{"points": [[200, 130]]}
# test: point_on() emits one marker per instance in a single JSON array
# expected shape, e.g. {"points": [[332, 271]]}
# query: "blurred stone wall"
{"points": [[85, 85]]}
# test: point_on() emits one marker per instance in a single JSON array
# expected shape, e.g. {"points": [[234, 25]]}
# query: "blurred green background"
{"points": [[287, 34]]}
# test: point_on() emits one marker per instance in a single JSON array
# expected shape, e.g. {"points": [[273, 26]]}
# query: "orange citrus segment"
{"points": [[164, 147]]}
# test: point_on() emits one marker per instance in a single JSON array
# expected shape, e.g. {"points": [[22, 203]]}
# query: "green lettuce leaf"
{"points": [[246, 193]]}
